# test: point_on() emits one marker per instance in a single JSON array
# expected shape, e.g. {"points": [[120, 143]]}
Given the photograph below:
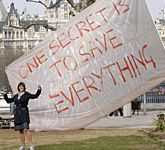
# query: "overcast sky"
{"points": [[155, 6]]}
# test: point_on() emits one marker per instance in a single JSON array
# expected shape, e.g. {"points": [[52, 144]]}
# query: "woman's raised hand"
{"points": [[39, 87]]}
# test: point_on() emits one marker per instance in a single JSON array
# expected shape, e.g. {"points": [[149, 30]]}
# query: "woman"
{"points": [[21, 113]]}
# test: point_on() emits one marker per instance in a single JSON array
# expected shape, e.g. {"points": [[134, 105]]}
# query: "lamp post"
{"points": [[144, 104]]}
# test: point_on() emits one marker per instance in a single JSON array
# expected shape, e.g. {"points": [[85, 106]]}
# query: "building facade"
{"points": [[23, 33], [160, 26], [60, 14], [19, 34]]}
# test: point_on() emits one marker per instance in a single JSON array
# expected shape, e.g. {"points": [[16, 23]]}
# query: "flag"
{"points": [[103, 58]]}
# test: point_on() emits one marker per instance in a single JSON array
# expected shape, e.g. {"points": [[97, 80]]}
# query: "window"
{"points": [[13, 35], [21, 34], [65, 7], [51, 15], [9, 35], [56, 12], [5, 35], [17, 34], [65, 15]]}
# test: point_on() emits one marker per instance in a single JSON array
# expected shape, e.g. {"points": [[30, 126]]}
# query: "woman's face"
{"points": [[21, 88]]}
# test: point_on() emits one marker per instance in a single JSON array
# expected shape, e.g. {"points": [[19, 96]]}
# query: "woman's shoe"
{"points": [[22, 148], [31, 148]]}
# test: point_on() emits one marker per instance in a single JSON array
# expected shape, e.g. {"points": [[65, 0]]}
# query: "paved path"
{"points": [[135, 121]]}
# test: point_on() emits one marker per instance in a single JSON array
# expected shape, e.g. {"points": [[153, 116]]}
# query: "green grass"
{"points": [[103, 139], [110, 143]]}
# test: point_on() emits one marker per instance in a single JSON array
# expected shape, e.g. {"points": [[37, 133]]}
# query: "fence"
{"points": [[152, 99]]}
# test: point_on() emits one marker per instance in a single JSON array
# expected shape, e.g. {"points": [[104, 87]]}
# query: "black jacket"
{"points": [[21, 111]]}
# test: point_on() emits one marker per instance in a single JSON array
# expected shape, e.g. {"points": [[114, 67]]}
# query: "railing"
{"points": [[153, 98]]}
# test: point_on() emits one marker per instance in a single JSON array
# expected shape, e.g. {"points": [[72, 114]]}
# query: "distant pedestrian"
{"points": [[136, 106], [117, 112], [120, 110], [21, 113]]}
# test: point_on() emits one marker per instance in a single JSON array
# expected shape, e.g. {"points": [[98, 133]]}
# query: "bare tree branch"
{"points": [[40, 2], [47, 7], [54, 5]]}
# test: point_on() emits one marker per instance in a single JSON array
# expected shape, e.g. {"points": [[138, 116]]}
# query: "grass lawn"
{"points": [[109, 143], [88, 139]]}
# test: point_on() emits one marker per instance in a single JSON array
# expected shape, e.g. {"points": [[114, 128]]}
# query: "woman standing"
{"points": [[21, 113]]}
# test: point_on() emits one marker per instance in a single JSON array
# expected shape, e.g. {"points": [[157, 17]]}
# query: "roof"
{"points": [[36, 23], [13, 11], [71, 2], [56, 4]]}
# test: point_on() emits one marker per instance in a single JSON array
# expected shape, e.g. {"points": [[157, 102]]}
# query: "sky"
{"points": [[155, 6]]}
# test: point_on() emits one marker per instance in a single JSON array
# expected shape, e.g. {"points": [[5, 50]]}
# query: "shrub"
{"points": [[160, 122]]}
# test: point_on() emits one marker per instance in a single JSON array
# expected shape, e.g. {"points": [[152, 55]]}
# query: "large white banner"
{"points": [[102, 59]]}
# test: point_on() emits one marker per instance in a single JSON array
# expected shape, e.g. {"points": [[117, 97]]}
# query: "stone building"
{"points": [[60, 14], [19, 34], [23, 33]]}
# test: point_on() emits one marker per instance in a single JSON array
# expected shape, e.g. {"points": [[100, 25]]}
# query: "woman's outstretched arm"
{"points": [[7, 99], [33, 96]]}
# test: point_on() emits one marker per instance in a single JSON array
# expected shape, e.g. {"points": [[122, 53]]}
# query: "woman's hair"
{"points": [[21, 84]]}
